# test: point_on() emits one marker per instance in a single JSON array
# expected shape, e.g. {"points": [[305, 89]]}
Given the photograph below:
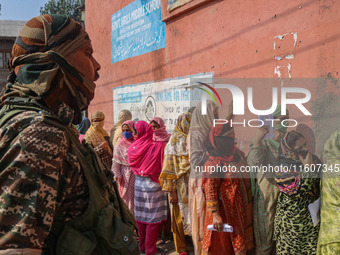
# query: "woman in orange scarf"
{"points": [[228, 196]]}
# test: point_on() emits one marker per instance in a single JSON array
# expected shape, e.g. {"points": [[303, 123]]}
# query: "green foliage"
{"points": [[63, 7]]}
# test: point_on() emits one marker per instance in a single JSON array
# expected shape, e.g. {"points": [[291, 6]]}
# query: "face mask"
{"points": [[127, 135]]}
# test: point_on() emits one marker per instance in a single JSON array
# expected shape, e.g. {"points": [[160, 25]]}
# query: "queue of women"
{"points": [[270, 212]]}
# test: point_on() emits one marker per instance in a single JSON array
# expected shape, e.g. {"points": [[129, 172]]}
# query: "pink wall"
{"points": [[232, 39]]}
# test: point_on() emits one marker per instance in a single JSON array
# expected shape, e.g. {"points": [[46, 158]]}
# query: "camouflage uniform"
{"points": [[40, 179], [54, 197]]}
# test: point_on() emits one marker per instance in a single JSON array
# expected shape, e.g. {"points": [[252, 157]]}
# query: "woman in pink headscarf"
{"points": [[120, 166], [160, 134], [159, 130], [146, 160]]}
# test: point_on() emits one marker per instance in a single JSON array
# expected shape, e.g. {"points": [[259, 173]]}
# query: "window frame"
{"points": [[167, 16], [3, 59]]}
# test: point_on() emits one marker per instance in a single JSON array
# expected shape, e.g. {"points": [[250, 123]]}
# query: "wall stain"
{"points": [[325, 5], [325, 110]]}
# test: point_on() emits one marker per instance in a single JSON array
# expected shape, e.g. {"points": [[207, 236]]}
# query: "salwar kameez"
{"points": [[174, 179], [150, 210], [177, 229], [126, 183], [146, 159], [228, 194], [294, 231], [265, 197], [329, 236], [180, 219], [232, 197], [121, 170], [197, 213]]}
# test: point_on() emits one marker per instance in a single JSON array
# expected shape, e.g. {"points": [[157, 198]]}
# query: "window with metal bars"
{"points": [[4, 59]]}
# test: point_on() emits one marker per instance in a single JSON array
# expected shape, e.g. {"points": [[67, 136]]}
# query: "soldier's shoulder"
{"points": [[35, 135]]}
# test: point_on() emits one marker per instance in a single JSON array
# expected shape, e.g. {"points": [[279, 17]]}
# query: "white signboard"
{"points": [[166, 99]]}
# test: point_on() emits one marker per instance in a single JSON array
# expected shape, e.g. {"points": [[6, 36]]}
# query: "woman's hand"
{"points": [[217, 221], [173, 197], [260, 134], [105, 145]]}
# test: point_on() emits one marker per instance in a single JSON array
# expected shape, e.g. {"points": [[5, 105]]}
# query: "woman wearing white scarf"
{"points": [[116, 131]]}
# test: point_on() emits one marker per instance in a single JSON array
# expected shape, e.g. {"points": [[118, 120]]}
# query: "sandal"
{"points": [[160, 242]]}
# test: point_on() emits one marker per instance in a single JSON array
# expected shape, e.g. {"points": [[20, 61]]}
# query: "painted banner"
{"points": [[137, 29], [166, 99], [173, 4]]}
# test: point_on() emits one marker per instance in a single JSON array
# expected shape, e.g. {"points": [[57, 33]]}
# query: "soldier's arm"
{"points": [[30, 176]]}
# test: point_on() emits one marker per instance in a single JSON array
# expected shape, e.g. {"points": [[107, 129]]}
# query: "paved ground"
{"points": [[169, 247]]}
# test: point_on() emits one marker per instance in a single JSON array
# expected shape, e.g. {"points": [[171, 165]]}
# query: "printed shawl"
{"points": [[38, 63], [96, 134], [289, 177], [160, 134], [288, 181], [176, 158], [146, 155]]}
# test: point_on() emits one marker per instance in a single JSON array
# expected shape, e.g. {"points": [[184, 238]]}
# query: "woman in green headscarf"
{"points": [[264, 152], [329, 235]]}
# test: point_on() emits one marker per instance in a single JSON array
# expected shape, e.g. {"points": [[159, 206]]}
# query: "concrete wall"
{"points": [[234, 39], [9, 29], [5, 45]]}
